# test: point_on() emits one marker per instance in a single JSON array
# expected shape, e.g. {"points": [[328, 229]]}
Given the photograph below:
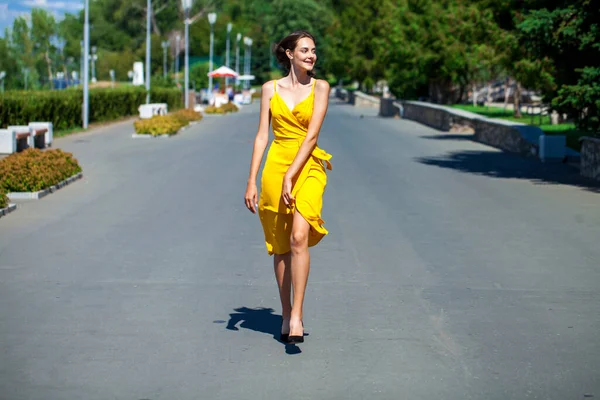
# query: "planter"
{"points": [[42, 193], [148, 136], [7, 210]]}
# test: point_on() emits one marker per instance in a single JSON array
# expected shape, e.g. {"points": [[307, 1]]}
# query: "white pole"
{"points": [[86, 52], [177, 59], [148, 15], [237, 55], [212, 17], [229, 26], [187, 58]]}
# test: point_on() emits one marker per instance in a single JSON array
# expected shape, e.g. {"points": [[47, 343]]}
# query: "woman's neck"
{"points": [[299, 77]]}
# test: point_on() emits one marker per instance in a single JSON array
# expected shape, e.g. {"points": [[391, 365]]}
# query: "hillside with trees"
{"points": [[438, 50]]}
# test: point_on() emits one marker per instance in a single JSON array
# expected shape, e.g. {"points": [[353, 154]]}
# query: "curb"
{"points": [[5, 211], [148, 136], [43, 193]]}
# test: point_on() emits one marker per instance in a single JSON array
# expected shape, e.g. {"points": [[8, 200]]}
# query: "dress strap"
{"points": [[275, 85]]}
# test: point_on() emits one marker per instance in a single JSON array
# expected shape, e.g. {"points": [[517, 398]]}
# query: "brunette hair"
{"points": [[290, 42]]}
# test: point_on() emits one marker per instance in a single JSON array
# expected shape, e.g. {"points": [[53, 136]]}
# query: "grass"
{"points": [[544, 123], [65, 132]]}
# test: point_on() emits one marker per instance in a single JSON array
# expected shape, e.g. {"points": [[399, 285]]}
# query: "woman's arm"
{"points": [[321, 102], [260, 144]]}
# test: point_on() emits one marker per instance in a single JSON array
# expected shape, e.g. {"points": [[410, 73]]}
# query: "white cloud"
{"points": [[55, 5]]}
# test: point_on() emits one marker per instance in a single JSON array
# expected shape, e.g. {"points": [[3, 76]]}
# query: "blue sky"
{"points": [[11, 9]]}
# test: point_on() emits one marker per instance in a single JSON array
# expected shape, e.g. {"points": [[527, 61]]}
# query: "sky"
{"points": [[11, 9]]}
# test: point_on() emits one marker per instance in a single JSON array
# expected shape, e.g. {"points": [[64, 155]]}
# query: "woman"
{"points": [[294, 178]]}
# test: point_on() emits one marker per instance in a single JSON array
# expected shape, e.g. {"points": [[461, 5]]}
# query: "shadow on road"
{"points": [[260, 320], [512, 166], [450, 136]]}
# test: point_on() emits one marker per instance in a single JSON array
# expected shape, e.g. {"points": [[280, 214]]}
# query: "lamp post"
{"points": [[229, 26], [148, 22], [237, 54], [86, 51], [165, 45], [247, 54], [212, 18], [94, 57], [178, 38], [187, 4], [2, 76]]}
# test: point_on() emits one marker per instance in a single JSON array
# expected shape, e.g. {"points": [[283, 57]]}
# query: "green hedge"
{"points": [[3, 198], [63, 107]]}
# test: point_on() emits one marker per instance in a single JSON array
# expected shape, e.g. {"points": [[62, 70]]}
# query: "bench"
{"points": [[150, 110], [19, 137]]}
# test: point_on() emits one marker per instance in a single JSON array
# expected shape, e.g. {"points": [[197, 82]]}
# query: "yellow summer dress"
{"points": [[290, 128]]}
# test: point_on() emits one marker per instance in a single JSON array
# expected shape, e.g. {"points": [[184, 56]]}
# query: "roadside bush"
{"points": [[3, 199], [63, 107], [159, 125], [33, 169], [214, 110], [229, 107], [186, 116]]}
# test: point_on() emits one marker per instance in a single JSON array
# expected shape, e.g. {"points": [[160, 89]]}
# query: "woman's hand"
{"points": [[286, 191], [251, 196]]}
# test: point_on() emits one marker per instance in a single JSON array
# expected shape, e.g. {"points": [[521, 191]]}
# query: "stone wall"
{"points": [[505, 135], [590, 157], [364, 100]]}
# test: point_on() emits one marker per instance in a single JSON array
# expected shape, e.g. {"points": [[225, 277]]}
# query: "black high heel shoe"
{"points": [[284, 336], [293, 339]]}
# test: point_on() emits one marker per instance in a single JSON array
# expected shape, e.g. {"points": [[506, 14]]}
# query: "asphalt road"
{"points": [[452, 271]]}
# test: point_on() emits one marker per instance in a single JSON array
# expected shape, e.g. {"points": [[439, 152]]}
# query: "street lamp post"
{"points": [[237, 54], [2, 76], [148, 22], [212, 18], [178, 38], [247, 54], [165, 45], [187, 4], [229, 26], [245, 59], [86, 52]]}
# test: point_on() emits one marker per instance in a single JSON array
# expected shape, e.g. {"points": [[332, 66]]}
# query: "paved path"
{"points": [[452, 271]]}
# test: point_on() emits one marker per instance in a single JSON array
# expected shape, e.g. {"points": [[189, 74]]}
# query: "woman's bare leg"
{"points": [[282, 267], [300, 270]]}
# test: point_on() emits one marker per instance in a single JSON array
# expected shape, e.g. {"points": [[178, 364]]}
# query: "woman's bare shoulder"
{"points": [[322, 86], [268, 89]]}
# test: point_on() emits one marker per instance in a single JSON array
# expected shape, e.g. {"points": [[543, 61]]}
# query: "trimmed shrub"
{"points": [[33, 169], [3, 199], [186, 116], [63, 107], [229, 107], [159, 125], [214, 110]]}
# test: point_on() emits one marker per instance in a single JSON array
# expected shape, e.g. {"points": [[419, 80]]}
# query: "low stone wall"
{"points": [[509, 136], [364, 100], [590, 157]]}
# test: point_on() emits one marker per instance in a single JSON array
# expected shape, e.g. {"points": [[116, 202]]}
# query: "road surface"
{"points": [[452, 271]]}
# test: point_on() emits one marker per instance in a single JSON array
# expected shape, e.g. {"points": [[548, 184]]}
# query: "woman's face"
{"points": [[304, 55]]}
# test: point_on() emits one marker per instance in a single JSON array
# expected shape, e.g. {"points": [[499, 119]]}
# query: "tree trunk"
{"points": [[506, 92], [49, 63], [154, 24], [517, 111]]}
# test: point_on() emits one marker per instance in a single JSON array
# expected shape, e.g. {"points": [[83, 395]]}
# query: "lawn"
{"points": [[544, 123]]}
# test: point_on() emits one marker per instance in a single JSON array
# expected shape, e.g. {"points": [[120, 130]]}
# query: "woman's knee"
{"points": [[299, 240]]}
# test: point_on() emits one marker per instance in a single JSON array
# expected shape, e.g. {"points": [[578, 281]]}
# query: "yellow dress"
{"points": [[290, 128]]}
